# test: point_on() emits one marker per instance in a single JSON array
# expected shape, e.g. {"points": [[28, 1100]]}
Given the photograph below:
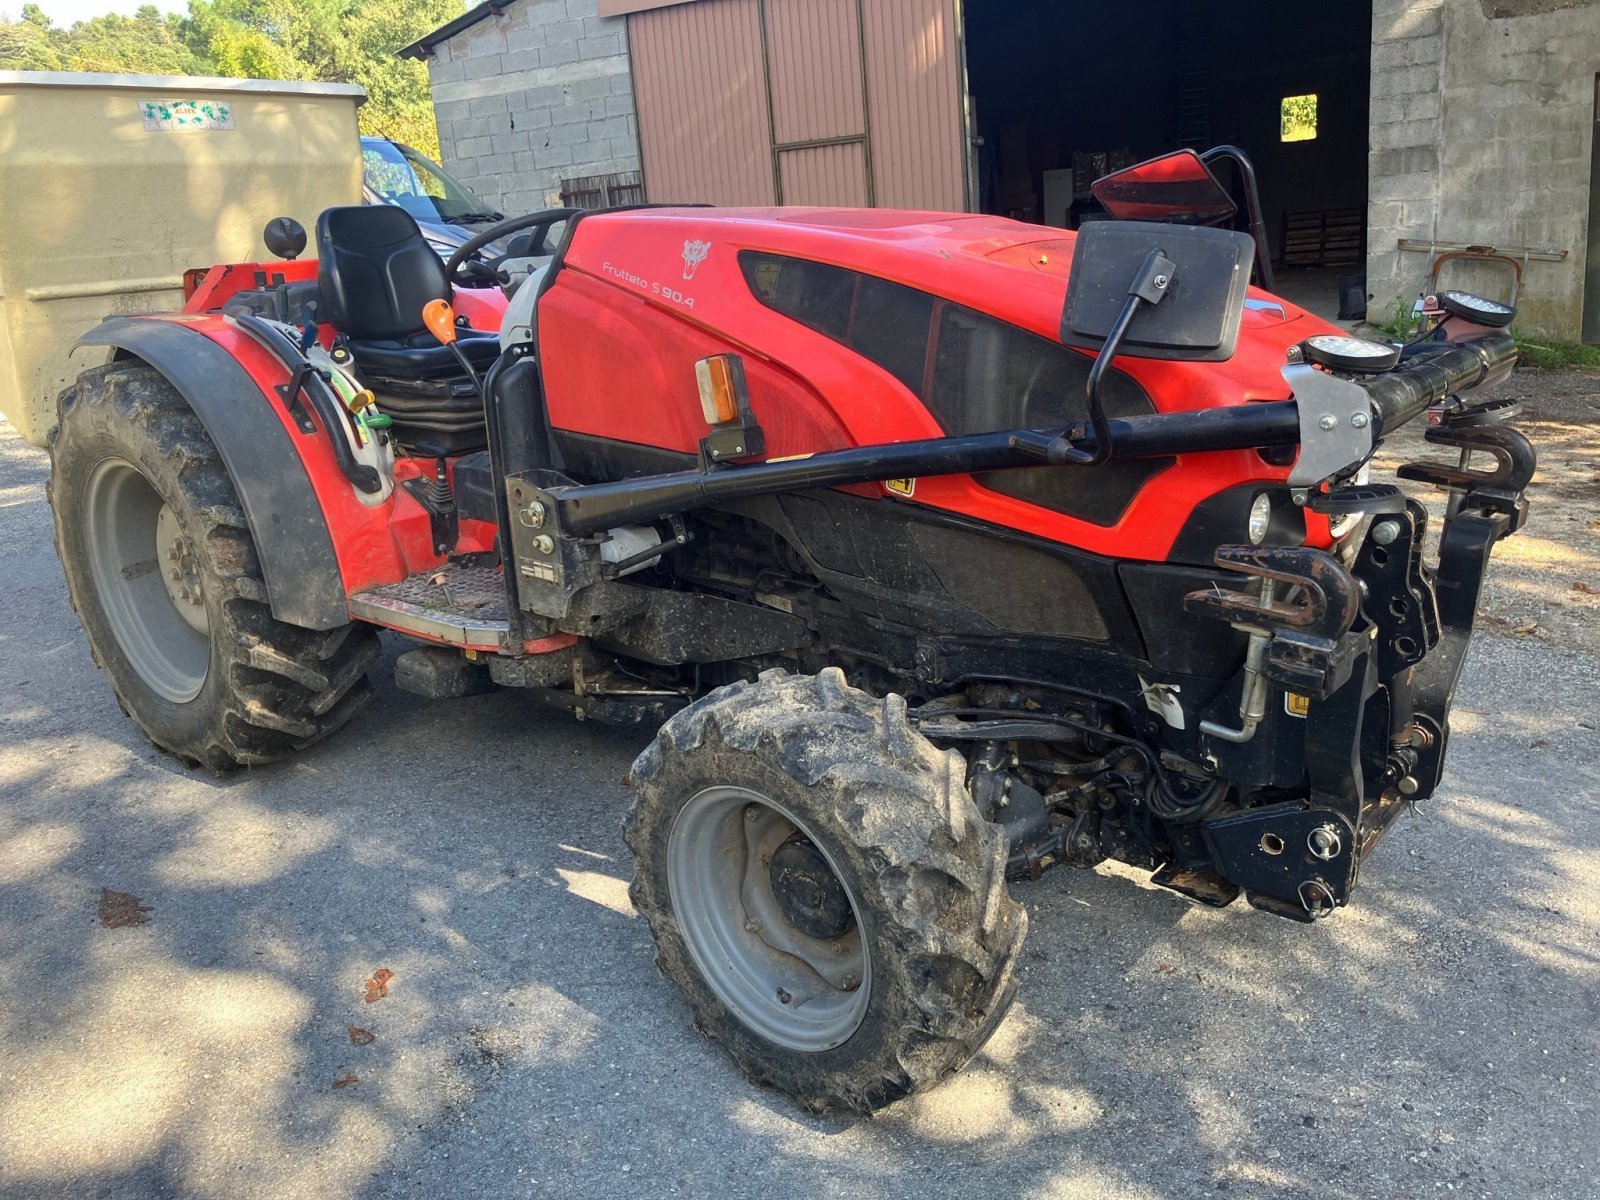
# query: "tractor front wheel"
{"points": [[822, 888], [163, 573]]}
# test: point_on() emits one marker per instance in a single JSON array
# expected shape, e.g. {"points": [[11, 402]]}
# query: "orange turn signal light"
{"points": [[440, 320], [719, 402]]}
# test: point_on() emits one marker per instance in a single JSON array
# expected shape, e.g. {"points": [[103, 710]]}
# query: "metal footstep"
{"points": [[456, 604]]}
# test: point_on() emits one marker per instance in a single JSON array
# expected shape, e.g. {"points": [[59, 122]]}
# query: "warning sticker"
{"points": [[901, 487], [1296, 705]]}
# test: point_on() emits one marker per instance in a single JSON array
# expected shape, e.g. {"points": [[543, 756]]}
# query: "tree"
{"points": [[26, 45], [398, 103], [143, 44]]}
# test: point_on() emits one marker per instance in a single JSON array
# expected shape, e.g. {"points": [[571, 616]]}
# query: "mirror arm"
{"points": [[1252, 204], [1149, 287]]}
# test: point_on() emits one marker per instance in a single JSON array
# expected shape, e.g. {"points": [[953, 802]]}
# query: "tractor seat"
{"points": [[376, 272], [422, 356]]}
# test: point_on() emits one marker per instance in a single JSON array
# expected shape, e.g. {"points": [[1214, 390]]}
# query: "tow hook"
{"points": [[1302, 644]]}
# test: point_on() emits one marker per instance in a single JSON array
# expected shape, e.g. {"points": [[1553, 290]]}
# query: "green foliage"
{"points": [[1299, 118], [1402, 323], [333, 41], [1559, 354]]}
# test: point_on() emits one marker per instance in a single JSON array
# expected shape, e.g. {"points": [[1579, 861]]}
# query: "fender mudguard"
{"points": [[304, 586]]}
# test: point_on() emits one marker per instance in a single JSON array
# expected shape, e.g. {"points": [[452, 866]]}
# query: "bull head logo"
{"points": [[694, 253]]}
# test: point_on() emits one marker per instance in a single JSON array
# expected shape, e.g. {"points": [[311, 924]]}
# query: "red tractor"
{"points": [[941, 550]]}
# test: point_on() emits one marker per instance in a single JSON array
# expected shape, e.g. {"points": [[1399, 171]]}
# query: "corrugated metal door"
{"points": [[833, 102], [818, 102], [701, 92]]}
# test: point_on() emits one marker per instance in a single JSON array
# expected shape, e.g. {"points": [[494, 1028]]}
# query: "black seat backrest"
{"points": [[376, 271]]}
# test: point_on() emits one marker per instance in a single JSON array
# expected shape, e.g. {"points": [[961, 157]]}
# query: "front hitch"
{"points": [[1372, 655], [1302, 641], [1486, 506]]}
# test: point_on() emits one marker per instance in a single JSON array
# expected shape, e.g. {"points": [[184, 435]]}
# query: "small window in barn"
{"points": [[1299, 118], [883, 322]]}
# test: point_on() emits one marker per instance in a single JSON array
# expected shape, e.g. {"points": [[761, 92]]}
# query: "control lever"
{"points": [[309, 331], [440, 501], [440, 320]]}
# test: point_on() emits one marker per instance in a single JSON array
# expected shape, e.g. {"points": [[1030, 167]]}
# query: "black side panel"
{"points": [[926, 569], [1224, 519], [297, 557], [1179, 641], [587, 457], [911, 565]]}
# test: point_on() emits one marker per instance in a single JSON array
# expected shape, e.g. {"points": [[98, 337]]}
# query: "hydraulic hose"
{"points": [[1411, 389]]}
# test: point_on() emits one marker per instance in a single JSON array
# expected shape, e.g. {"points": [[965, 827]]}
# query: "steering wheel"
{"points": [[463, 270]]}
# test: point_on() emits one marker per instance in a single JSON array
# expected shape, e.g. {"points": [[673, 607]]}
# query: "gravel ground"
{"points": [[1440, 1037]]}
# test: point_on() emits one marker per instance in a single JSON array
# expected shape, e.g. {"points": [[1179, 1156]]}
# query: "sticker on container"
{"points": [[901, 487], [186, 116], [1296, 705]]}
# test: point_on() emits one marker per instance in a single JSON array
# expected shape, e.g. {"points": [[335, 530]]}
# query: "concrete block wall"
{"points": [[1483, 117], [540, 93]]}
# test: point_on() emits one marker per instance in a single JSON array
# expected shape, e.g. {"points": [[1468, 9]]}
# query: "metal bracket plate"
{"points": [[1336, 426]]}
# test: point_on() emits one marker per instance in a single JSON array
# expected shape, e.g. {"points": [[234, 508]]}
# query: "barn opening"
{"points": [[1063, 93]]}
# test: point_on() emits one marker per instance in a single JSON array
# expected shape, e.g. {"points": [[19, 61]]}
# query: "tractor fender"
{"points": [[304, 586]]}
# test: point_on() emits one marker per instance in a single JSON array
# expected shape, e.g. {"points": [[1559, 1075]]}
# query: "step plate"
{"points": [[457, 605]]}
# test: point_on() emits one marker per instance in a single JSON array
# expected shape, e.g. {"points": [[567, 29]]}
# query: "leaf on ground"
{"points": [[1526, 630], [1166, 968], [118, 910], [345, 1081], [1594, 524], [1588, 589], [378, 985], [362, 1037], [1538, 743]]}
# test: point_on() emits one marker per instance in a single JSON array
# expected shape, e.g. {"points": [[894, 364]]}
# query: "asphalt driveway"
{"points": [[192, 1036]]}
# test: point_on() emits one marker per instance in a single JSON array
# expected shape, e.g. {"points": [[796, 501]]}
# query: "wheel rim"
{"points": [[147, 581], [801, 992]]}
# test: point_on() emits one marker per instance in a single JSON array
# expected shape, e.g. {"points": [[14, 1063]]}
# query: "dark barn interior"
{"points": [[1062, 93]]}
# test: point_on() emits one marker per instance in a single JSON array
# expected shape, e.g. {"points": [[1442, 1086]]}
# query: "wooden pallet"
{"points": [[1323, 237]]}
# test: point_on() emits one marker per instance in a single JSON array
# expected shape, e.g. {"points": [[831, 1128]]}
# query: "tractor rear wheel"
{"points": [[163, 574], [821, 887]]}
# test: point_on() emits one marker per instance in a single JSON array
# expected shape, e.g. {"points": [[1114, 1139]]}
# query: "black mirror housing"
{"points": [[1203, 303]]}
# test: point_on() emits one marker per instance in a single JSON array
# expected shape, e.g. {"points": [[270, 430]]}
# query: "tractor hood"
{"points": [[684, 259]]}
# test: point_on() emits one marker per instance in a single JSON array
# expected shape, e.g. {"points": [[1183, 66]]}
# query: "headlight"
{"points": [[1477, 309], [1343, 353], [1260, 518]]}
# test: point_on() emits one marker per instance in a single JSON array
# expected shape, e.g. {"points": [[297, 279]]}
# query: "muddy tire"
{"points": [[930, 938], [163, 574]]}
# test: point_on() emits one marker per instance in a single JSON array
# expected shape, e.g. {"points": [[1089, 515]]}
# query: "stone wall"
{"points": [[1483, 119], [540, 93]]}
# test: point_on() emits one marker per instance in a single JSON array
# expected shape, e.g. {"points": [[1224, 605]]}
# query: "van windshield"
{"points": [[403, 177]]}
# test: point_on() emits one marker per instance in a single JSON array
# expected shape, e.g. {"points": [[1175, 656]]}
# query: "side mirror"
{"points": [[1176, 187], [1202, 298], [284, 237], [1154, 291]]}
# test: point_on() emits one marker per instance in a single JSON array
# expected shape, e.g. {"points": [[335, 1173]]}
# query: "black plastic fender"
{"points": [[304, 586]]}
